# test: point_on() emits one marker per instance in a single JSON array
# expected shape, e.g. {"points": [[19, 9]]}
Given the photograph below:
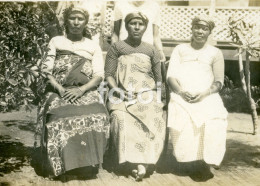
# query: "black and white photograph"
{"points": [[130, 92]]}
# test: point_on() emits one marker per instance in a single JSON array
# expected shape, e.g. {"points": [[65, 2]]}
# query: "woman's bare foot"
{"points": [[141, 171], [134, 173]]}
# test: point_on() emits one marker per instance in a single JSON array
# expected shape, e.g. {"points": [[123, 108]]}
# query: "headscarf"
{"points": [[205, 18], [133, 15], [72, 9]]}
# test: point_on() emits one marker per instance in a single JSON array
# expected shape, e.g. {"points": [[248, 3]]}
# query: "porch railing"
{"points": [[176, 20]]}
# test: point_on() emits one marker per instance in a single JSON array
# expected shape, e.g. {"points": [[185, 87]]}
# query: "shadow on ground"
{"points": [[38, 162], [238, 154], [241, 154], [5, 183], [239, 132], [21, 124], [13, 156]]}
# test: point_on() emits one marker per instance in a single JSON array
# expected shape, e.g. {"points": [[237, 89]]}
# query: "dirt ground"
{"points": [[241, 164]]}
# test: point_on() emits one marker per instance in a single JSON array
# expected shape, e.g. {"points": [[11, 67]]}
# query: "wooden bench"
{"points": [[228, 50]]}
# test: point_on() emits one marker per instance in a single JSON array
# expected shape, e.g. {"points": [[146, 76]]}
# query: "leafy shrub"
{"points": [[25, 30], [23, 41], [235, 99]]}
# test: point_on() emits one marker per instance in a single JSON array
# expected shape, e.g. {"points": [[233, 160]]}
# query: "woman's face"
{"points": [[200, 32], [76, 23], [136, 28]]}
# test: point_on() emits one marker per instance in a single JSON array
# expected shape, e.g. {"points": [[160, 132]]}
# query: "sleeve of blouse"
{"points": [[157, 16], [117, 12], [111, 61], [156, 66], [48, 63], [218, 67], [98, 62], [174, 63]]}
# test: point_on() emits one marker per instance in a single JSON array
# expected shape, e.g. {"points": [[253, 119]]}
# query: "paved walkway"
{"points": [[241, 165]]}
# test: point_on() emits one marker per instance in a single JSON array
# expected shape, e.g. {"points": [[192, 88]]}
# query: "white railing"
{"points": [[176, 20]]}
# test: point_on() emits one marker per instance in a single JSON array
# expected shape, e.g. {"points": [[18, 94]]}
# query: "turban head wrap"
{"points": [[72, 9], [133, 15], [205, 18]]}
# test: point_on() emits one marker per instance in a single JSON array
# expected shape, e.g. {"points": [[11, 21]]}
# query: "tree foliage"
{"points": [[23, 41], [25, 30], [245, 36]]}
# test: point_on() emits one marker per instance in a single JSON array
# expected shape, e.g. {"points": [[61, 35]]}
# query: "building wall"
{"points": [[254, 2], [225, 3], [232, 3]]}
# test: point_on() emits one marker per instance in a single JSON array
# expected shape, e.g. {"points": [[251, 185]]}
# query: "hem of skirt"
{"points": [[138, 162], [83, 166], [213, 163], [209, 163], [63, 172], [190, 160]]}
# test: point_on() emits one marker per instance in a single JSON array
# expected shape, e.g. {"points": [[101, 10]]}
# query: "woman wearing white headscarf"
{"points": [[197, 117]]}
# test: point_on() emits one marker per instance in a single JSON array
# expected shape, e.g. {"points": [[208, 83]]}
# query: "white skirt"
{"points": [[198, 130]]}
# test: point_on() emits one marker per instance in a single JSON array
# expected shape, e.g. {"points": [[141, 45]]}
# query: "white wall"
{"points": [[223, 3]]}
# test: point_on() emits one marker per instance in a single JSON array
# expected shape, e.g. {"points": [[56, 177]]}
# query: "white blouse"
{"points": [[209, 56], [85, 48]]}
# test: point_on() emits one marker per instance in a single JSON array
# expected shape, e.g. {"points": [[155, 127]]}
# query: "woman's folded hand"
{"points": [[199, 97], [185, 95], [73, 94], [129, 96], [124, 95]]}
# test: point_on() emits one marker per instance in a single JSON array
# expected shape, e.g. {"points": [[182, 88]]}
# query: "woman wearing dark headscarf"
{"points": [[74, 120], [151, 10], [197, 117], [138, 128]]}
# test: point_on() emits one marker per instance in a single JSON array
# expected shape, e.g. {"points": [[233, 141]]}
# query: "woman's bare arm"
{"points": [[116, 31], [157, 42]]}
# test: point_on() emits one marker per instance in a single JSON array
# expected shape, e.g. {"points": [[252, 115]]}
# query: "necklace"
{"points": [[197, 52]]}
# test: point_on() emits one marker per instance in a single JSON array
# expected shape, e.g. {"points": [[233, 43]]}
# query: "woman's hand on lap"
{"points": [[73, 94], [199, 97], [185, 95], [124, 95]]}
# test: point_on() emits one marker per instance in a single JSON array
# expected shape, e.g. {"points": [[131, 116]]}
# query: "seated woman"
{"points": [[197, 117], [132, 70], [74, 120], [151, 10]]}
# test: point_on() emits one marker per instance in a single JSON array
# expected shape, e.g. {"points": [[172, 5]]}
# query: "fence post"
{"points": [[212, 12]]}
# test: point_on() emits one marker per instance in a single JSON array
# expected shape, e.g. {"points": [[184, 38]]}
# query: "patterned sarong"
{"points": [[74, 135], [138, 129]]}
